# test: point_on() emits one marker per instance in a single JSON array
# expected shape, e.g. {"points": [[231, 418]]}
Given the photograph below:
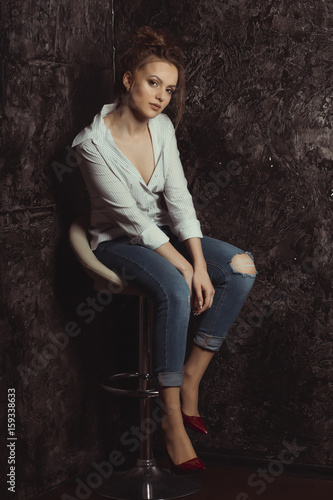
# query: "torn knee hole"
{"points": [[243, 263]]}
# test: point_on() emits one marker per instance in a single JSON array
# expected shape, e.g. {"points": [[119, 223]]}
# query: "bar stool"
{"points": [[145, 481]]}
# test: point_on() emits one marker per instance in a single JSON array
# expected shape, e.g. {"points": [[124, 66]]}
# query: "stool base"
{"points": [[148, 483]]}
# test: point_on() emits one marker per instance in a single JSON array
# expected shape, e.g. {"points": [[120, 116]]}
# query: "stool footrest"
{"points": [[143, 378]]}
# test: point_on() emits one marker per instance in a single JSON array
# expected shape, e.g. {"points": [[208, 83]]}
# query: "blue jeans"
{"points": [[162, 282]]}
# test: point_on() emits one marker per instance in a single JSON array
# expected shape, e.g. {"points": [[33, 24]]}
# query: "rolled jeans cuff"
{"points": [[208, 342], [170, 379]]}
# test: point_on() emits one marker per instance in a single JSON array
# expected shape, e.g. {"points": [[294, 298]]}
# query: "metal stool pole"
{"points": [[145, 380]]}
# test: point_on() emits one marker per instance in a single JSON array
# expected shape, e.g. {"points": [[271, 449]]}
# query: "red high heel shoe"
{"points": [[185, 467], [195, 423]]}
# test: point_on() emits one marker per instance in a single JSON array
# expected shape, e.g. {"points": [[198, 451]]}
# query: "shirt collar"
{"points": [[96, 130]]}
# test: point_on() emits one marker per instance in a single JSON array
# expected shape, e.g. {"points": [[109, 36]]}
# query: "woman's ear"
{"points": [[127, 80]]}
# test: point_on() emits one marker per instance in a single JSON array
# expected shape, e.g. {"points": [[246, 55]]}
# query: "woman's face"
{"points": [[151, 87]]}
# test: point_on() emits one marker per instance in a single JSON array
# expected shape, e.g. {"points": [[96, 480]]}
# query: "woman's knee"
{"points": [[180, 295], [242, 263], [175, 293]]}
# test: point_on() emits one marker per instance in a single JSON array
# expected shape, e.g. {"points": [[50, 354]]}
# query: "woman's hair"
{"points": [[150, 44]]}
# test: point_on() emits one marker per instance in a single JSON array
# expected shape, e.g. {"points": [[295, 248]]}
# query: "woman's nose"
{"points": [[160, 95]]}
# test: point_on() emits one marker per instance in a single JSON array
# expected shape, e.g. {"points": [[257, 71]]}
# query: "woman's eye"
{"points": [[152, 83], [170, 91]]}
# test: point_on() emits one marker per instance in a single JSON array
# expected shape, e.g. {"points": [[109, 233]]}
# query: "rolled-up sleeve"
{"points": [[177, 196], [117, 207]]}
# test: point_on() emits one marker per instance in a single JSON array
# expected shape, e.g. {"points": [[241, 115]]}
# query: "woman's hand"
{"points": [[203, 291], [195, 274]]}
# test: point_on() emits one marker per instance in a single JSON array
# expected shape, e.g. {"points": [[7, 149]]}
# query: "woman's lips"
{"points": [[156, 107]]}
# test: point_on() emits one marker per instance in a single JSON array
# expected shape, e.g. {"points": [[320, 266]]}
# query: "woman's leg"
{"points": [[232, 273], [160, 280], [193, 371], [155, 276], [176, 440]]}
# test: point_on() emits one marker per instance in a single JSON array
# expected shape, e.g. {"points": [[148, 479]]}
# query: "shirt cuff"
{"points": [[188, 229], [152, 237]]}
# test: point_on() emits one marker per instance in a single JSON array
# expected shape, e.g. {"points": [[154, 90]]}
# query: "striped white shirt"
{"points": [[121, 202]]}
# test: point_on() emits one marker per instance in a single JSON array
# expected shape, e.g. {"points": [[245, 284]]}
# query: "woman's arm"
{"points": [[176, 194], [185, 268], [186, 226], [194, 248], [201, 284], [202, 290]]}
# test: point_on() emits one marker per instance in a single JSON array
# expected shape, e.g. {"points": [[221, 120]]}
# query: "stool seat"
{"points": [[102, 276], [145, 481]]}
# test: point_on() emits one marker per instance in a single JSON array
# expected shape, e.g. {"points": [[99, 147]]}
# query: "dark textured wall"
{"points": [[258, 153], [57, 71]]}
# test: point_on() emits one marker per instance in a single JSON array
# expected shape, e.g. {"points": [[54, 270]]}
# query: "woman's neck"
{"points": [[124, 122]]}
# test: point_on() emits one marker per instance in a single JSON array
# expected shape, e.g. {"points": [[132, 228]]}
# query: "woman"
{"points": [[143, 220]]}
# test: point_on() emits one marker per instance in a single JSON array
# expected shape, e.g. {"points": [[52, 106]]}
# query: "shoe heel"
{"points": [[187, 467]]}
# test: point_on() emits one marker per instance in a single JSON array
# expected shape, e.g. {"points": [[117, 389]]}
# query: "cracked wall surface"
{"points": [[257, 151]]}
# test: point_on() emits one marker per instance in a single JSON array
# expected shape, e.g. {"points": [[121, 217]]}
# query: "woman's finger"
{"points": [[198, 299], [207, 301]]}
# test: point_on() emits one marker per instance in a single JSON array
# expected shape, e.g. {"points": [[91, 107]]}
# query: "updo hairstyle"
{"points": [[150, 44]]}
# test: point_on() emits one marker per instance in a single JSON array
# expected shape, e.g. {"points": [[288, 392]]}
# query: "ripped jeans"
{"points": [[232, 274]]}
